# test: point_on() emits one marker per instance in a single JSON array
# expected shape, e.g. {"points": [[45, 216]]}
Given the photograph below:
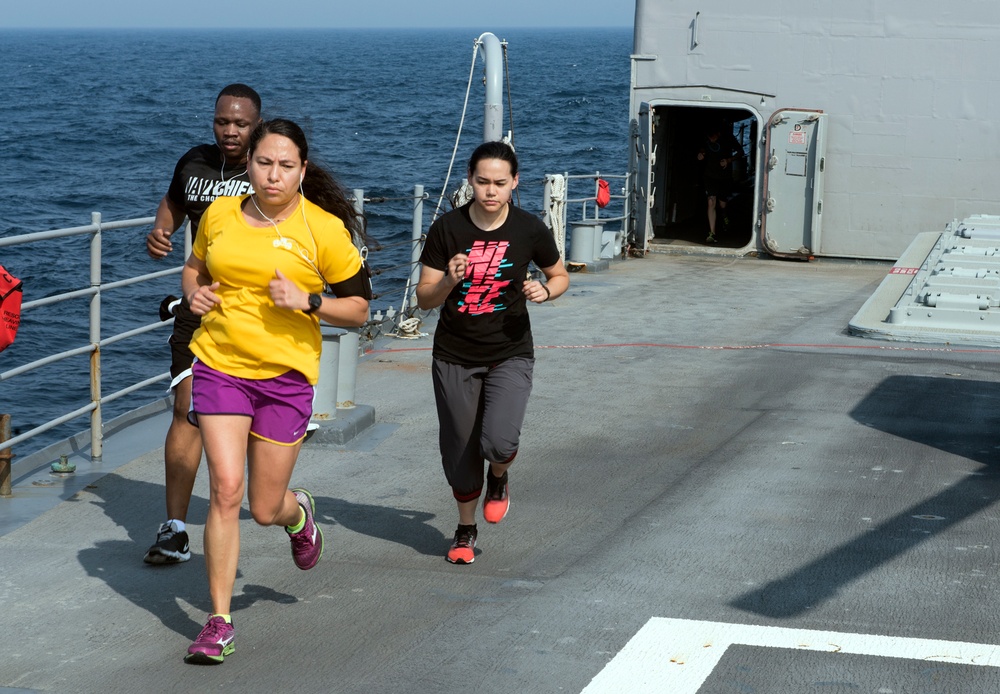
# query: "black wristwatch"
{"points": [[315, 301]]}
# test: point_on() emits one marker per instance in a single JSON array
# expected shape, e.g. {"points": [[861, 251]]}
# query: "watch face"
{"points": [[315, 301]]}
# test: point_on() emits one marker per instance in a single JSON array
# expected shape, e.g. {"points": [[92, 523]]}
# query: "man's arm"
{"points": [[169, 217]]}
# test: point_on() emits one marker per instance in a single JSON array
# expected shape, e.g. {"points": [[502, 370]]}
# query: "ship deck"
{"points": [[719, 490]]}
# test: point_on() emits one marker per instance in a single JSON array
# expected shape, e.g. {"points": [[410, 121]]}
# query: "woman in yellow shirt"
{"points": [[256, 276]]}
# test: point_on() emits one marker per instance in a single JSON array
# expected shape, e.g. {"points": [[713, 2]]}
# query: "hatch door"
{"points": [[792, 218], [645, 159]]}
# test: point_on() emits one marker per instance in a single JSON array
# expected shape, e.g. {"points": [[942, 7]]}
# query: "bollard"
{"points": [[63, 466], [585, 242], [347, 367], [5, 456], [325, 397]]}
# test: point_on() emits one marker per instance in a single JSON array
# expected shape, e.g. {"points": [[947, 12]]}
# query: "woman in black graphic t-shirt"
{"points": [[475, 262]]}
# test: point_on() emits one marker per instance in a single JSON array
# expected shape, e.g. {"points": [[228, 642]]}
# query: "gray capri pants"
{"points": [[480, 412]]}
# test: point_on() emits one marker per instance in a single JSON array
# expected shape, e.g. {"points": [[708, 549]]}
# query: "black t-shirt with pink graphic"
{"points": [[485, 318]]}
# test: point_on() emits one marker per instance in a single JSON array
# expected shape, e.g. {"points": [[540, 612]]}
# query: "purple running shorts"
{"points": [[279, 408]]}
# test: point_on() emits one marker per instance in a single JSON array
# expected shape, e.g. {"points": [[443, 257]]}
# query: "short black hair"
{"points": [[240, 91]]}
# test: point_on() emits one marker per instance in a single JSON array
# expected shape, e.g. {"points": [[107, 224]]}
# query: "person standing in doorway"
{"points": [[475, 264], [717, 153], [204, 173]]}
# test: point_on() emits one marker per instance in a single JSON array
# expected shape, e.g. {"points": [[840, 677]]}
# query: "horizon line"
{"points": [[302, 28]]}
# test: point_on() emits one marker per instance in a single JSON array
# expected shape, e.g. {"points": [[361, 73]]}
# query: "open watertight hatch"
{"points": [[945, 288], [792, 219]]}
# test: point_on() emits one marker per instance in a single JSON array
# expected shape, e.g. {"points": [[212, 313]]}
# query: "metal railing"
{"points": [[558, 202], [415, 242], [95, 230], [95, 343], [96, 287], [587, 201]]}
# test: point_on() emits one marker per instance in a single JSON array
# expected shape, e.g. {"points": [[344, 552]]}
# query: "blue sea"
{"points": [[95, 121]]}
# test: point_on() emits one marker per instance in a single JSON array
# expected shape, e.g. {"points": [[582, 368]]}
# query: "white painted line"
{"points": [[678, 655]]}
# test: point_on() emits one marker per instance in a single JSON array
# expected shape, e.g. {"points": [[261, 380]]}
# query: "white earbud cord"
{"points": [[286, 243], [222, 170]]}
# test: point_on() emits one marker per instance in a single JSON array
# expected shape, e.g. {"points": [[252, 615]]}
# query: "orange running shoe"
{"points": [[463, 549], [496, 503]]}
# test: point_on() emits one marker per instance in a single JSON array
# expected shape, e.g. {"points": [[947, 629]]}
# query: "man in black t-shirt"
{"points": [[717, 154], [204, 173]]}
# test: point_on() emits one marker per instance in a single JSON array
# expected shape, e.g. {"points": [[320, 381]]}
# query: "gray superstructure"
{"points": [[863, 123]]}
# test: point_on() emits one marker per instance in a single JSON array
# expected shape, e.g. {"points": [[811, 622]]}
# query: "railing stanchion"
{"points": [[5, 456], [359, 201], [597, 188], [96, 424], [565, 207], [410, 301]]}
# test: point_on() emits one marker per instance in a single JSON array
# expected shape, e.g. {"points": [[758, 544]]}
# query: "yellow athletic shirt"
{"points": [[247, 335]]}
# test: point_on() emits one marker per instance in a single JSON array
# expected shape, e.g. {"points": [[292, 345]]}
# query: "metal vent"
{"points": [[944, 288]]}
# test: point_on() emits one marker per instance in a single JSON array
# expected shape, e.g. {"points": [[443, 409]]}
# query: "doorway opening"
{"points": [[687, 175]]}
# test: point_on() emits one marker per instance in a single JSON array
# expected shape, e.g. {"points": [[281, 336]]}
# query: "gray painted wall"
{"points": [[911, 89]]}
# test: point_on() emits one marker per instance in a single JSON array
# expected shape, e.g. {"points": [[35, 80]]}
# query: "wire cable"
{"points": [[458, 137]]}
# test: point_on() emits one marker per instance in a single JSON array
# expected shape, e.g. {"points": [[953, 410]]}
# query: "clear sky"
{"points": [[315, 13]]}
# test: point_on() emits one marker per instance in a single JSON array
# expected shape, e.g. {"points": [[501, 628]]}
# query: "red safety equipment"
{"points": [[603, 193], [10, 307]]}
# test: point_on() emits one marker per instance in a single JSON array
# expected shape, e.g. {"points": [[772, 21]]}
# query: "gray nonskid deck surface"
{"points": [[703, 442]]}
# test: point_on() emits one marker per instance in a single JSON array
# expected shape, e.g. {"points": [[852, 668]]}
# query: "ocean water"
{"points": [[95, 121]]}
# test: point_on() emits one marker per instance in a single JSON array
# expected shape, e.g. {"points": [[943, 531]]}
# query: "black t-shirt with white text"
{"points": [[484, 320], [200, 177]]}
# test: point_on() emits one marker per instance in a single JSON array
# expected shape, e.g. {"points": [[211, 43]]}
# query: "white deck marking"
{"points": [[678, 655]]}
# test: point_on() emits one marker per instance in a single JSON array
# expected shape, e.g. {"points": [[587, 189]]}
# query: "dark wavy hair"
{"points": [[318, 186], [493, 150]]}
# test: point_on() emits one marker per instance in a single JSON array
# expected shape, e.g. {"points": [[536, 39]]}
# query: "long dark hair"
{"points": [[318, 186]]}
